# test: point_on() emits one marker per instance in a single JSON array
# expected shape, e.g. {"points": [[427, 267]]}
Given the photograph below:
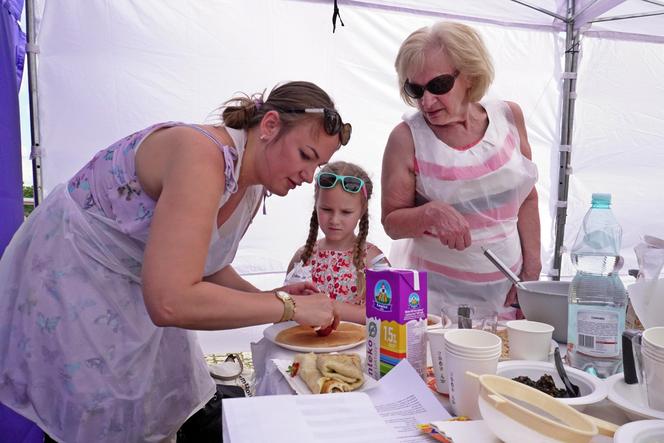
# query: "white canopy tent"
{"points": [[106, 69]]}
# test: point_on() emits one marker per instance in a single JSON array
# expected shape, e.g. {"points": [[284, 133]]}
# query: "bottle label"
{"points": [[598, 331]]}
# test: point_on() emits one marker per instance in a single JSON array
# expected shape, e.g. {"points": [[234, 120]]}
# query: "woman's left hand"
{"points": [[299, 288]]}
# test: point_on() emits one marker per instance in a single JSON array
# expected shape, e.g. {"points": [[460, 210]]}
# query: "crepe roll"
{"points": [[330, 386], [346, 368], [310, 374], [314, 379]]}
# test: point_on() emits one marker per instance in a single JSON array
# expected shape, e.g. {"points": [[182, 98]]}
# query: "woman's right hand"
{"points": [[316, 310], [448, 224]]}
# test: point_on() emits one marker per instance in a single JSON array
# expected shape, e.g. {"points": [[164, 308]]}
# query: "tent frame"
{"points": [[572, 49], [35, 129]]}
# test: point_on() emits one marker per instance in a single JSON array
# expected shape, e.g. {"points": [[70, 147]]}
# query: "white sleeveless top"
{"points": [[487, 184], [226, 239]]}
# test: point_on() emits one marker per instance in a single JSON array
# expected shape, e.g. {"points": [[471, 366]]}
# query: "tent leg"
{"points": [[35, 132], [572, 48]]}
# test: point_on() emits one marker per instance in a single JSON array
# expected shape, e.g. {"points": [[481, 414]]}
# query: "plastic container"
{"points": [[546, 302], [597, 299]]}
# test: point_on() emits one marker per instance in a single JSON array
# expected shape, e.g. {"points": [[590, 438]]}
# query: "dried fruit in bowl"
{"points": [[544, 384]]}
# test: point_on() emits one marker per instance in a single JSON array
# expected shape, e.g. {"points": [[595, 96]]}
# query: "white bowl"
{"points": [[630, 400], [435, 321], [642, 431], [516, 413], [546, 302], [592, 389]]}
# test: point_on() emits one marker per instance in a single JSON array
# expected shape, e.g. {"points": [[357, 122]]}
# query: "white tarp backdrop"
{"points": [[109, 68]]}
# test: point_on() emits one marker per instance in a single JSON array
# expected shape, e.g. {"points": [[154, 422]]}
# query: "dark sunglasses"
{"points": [[331, 122], [328, 180], [437, 86]]}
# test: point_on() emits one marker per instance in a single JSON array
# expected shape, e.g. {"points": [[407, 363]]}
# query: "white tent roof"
{"points": [[639, 19]]}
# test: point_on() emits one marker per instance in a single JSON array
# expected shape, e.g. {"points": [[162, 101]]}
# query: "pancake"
{"points": [[304, 336]]}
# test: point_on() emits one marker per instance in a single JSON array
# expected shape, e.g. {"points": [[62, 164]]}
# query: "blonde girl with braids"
{"points": [[113, 270], [337, 262]]}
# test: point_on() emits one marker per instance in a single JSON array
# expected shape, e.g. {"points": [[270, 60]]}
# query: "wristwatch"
{"points": [[289, 305]]}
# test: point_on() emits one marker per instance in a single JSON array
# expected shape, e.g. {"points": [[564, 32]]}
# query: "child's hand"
{"points": [[300, 288]]}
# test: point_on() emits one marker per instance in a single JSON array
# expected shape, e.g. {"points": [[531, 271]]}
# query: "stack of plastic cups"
{"points": [[469, 350], [652, 349], [436, 338]]}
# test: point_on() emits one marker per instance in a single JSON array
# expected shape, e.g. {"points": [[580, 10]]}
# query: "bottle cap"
{"points": [[601, 200]]}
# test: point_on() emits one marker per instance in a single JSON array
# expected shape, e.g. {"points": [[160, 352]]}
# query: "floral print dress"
{"points": [[79, 354], [334, 273]]}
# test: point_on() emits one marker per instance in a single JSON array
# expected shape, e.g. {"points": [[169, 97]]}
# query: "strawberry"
{"points": [[324, 332], [293, 368]]}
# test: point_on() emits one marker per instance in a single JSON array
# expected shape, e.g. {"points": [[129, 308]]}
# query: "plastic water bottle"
{"points": [[597, 298]]}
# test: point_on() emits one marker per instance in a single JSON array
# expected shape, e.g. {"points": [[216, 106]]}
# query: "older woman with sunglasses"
{"points": [[100, 287], [457, 175]]}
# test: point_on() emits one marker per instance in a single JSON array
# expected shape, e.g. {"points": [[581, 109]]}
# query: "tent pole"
{"points": [[542, 10], [572, 47], [35, 154], [628, 16]]}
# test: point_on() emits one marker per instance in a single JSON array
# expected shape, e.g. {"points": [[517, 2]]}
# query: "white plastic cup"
{"points": [[473, 341], [464, 389], [653, 340], [437, 347], [653, 370], [434, 322], [529, 340], [469, 350]]}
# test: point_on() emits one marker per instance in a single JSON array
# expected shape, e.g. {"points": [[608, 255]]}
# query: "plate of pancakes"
{"points": [[295, 337]]}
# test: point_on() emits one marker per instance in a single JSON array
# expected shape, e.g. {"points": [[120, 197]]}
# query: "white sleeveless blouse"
{"points": [[487, 184]]}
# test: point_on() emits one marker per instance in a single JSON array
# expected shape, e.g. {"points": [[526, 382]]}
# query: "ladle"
{"points": [[502, 267], [572, 389]]}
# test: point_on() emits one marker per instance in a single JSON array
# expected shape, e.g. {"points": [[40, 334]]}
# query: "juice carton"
{"points": [[396, 301]]}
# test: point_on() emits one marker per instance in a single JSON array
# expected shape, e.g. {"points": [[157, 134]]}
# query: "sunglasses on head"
{"points": [[328, 180], [437, 86], [331, 122]]}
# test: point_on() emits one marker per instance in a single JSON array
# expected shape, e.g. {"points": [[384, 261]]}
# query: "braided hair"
{"points": [[313, 236], [359, 248]]}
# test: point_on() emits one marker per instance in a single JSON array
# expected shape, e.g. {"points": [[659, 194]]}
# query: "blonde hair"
{"points": [[246, 111], [461, 43], [359, 248]]}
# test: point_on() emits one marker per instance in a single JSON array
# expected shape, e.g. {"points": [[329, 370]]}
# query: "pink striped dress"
{"points": [[486, 183]]}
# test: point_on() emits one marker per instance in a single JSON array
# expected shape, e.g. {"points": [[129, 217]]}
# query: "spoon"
{"points": [[572, 389]]}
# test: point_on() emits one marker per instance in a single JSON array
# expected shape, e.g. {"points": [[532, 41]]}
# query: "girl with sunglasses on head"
{"points": [[102, 285], [336, 263], [457, 175]]}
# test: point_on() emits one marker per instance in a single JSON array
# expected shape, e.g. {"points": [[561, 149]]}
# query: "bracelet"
{"points": [[289, 305]]}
